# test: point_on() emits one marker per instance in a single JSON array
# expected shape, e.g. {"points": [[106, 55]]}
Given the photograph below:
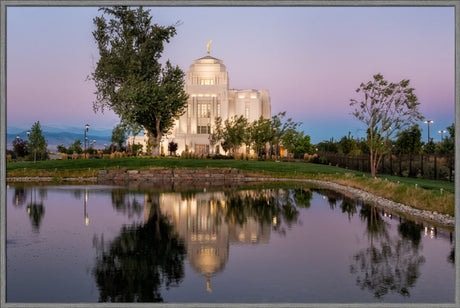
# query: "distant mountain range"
{"points": [[62, 135]]}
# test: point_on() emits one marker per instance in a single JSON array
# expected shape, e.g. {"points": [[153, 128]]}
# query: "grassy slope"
{"points": [[426, 196]]}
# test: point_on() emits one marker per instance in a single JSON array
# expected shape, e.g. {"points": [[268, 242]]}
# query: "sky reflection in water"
{"points": [[295, 244]]}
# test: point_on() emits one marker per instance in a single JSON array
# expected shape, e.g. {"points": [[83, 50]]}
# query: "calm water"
{"points": [[94, 243]]}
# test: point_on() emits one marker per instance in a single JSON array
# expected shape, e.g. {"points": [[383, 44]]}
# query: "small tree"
{"points": [[260, 135], [75, 147], [216, 134], [430, 147], [348, 145], [235, 132], [409, 141], [302, 145], [384, 108], [280, 129], [448, 144], [119, 135], [172, 148], [62, 149], [37, 142], [20, 147]]}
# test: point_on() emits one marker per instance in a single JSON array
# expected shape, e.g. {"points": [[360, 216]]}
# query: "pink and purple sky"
{"points": [[311, 59]]}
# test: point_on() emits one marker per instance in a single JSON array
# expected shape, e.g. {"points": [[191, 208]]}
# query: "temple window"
{"points": [[206, 82], [204, 129], [204, 110]]}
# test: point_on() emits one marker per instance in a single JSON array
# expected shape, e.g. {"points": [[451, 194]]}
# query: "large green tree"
{"points": [[37, 142], [129, 78], [385, 108]]}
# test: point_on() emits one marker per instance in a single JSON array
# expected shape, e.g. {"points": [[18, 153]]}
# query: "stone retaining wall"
{"points": [[175, 178], [36, 179]]}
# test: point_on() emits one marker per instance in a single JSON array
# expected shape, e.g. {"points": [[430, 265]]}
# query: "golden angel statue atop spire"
{"points": [[209, 43]]}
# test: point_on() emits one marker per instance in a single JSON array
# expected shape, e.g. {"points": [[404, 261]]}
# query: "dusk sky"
{"points": [[310, 59]]}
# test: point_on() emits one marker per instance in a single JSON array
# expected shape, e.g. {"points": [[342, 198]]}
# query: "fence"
{"points": [[435, 167]]}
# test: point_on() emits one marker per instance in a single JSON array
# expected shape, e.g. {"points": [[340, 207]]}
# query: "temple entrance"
{"points": [[202, 149]]}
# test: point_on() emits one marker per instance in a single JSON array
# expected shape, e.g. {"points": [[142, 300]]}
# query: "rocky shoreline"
{"points": [[443, 219], [435, 217]]}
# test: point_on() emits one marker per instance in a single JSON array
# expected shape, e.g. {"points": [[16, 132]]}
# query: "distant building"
{"points": [[207, 85]]}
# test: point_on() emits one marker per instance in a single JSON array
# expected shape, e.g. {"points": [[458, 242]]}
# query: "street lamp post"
{"points": [[428, 122], [441, 132], [86, 138]]}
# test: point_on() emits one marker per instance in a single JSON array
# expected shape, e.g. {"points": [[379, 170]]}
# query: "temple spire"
{"points": [[209, 43]]}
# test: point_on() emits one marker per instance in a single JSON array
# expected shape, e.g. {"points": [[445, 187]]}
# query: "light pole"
{"points": [[86, 138], [441, 132], [428, 122]]}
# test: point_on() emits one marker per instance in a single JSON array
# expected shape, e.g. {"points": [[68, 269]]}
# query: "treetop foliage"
{"points": [[129, 78], [385, 108]]}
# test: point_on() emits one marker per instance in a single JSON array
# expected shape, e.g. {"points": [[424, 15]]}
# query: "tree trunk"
{"points": [[156, 150], [373, 171]]}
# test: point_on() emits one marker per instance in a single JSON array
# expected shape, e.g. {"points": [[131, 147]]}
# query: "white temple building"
{"points": [[210, 96]]}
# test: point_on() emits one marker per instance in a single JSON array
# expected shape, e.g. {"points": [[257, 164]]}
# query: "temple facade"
{"points": [[210, 96]]}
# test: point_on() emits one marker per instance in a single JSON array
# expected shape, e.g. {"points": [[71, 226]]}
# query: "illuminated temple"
{"points": [[210, 96]]}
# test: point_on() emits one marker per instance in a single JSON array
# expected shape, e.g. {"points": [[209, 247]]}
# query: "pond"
{"points": [[293, 243]]}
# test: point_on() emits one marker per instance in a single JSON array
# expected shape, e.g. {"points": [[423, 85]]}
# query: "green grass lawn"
{"points": [[90, 167], [426, 195]]}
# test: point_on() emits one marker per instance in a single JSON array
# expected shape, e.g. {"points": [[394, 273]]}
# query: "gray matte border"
{"points": [[3, 58]]}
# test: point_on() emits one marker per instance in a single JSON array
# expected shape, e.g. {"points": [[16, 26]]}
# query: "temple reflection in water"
{"points": [[203, 222]]}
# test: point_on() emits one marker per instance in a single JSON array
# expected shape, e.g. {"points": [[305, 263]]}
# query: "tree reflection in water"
{"points": [[270, 206], [140, 260], [451, 257], [35, 208], [388, 264], [348, 205], [36, 212], [20, 196], [125, 202], [143, 258]]}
